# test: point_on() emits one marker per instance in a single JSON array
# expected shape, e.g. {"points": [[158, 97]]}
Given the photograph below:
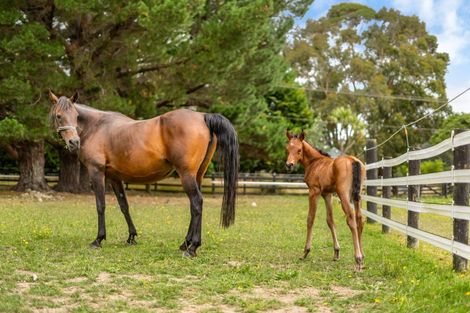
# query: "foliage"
{"points": [[27, 68], [432, 166], [263, 138], [144, 58], [356, 58], [252, 266], [457, 122]]}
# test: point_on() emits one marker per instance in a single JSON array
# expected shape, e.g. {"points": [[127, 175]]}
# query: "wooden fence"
{"points": [[458, 177]]}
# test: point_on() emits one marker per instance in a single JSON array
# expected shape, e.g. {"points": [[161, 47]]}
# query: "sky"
{"points": [[448, 20]]}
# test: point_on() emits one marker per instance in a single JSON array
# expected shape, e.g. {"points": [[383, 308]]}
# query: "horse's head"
{"points": [[294, 149], [63, 117]]}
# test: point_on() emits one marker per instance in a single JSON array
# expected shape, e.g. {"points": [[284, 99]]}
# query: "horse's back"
{"points": [[149, 150]]}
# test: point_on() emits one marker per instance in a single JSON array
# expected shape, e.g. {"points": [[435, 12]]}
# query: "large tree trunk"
{"points": [[69, 174], [31, 165]]}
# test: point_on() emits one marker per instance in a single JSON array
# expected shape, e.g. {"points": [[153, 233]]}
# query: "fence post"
{"points": [[413, 195], [386, 193], [461, 191], [213, 183], [371, 157]]}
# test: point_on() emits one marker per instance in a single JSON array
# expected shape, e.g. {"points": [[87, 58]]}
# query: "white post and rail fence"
{"points": [[459, 210]]}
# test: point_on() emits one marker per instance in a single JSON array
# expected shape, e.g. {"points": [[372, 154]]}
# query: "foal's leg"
{"points": [[118, 189], [351, 220], [312, 210], [97, 180], [360, 223], [331, 223], [193, 238]]}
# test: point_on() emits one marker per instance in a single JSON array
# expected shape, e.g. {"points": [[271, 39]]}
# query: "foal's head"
{"points": [[63, 117], [294, 149]]}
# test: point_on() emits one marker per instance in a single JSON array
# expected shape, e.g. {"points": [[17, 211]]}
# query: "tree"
{"points": [[456, 122], [143, 58], [362, 59], [262, 130], [27, 68]]}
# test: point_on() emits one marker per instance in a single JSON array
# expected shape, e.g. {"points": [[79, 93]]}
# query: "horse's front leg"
{"points": [[312, 210], [97, 180], [118, 189]]}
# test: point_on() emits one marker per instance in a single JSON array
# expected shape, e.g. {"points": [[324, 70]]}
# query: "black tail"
{"points": [[356, 185], [228, 143]]}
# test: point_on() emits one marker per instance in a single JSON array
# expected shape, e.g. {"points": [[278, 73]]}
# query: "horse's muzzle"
{"points": [[73, 144], [289, 166]]}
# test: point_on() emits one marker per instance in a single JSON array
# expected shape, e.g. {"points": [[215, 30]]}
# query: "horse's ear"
{"points": [[288, 134], [53, 97], [302, 135], [74, 97]]}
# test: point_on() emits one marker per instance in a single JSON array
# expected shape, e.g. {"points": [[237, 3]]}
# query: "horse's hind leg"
{"points": [[351, 220], [193, 237], [118, 189], [359, 222], [331, 223]]}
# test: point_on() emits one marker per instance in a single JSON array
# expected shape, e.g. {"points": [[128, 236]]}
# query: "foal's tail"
{"points": [[228, 143], [356, 184]]}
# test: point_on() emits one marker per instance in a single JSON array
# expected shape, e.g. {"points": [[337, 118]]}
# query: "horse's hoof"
{"points": [[131, 242], [306, 252], [95, 245], [189, 254], [359, 264], [336, 257], [184, 246]]}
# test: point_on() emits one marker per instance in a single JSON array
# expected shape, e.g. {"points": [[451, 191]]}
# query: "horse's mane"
{"points": [[64, 105], [319, 150]]}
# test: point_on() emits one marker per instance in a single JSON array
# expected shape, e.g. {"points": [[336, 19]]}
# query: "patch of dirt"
{"points": [[345, 292], [76, 280], [40, 196], [189, 307], [185, 279], [103, 278], [22, 287]]}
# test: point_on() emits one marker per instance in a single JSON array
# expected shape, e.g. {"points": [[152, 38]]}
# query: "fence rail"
{"points": [[458, 177]]}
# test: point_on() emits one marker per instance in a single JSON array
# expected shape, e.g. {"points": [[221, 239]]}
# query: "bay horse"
{"points": [[115, 148], [325, 176]]}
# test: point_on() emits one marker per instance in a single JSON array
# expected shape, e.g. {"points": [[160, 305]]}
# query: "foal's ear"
{"points": [[53, 97], [288, 134], [74, 97], [302, 135]]}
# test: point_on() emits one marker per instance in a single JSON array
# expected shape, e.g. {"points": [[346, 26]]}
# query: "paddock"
{"points": [[253, 266]]}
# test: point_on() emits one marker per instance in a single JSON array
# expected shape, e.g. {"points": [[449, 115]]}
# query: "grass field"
{"points": [[254, 266]]}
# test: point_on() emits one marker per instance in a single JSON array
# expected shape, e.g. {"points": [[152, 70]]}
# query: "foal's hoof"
{"points": [[336, 257], [95, 244], [359, 264], [306, 252]]}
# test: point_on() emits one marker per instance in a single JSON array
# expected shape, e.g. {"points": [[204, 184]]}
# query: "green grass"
{"points": [[254, 266]]}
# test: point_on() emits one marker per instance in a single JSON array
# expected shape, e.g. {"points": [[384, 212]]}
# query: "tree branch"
{"points": [[158, 67], [10, 150]]}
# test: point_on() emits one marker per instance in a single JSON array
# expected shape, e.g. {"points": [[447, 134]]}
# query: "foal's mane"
{"points": [[319, 150]]}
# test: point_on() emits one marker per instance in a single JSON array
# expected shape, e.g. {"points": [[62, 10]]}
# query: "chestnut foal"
{"points": [[325, 176]]}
